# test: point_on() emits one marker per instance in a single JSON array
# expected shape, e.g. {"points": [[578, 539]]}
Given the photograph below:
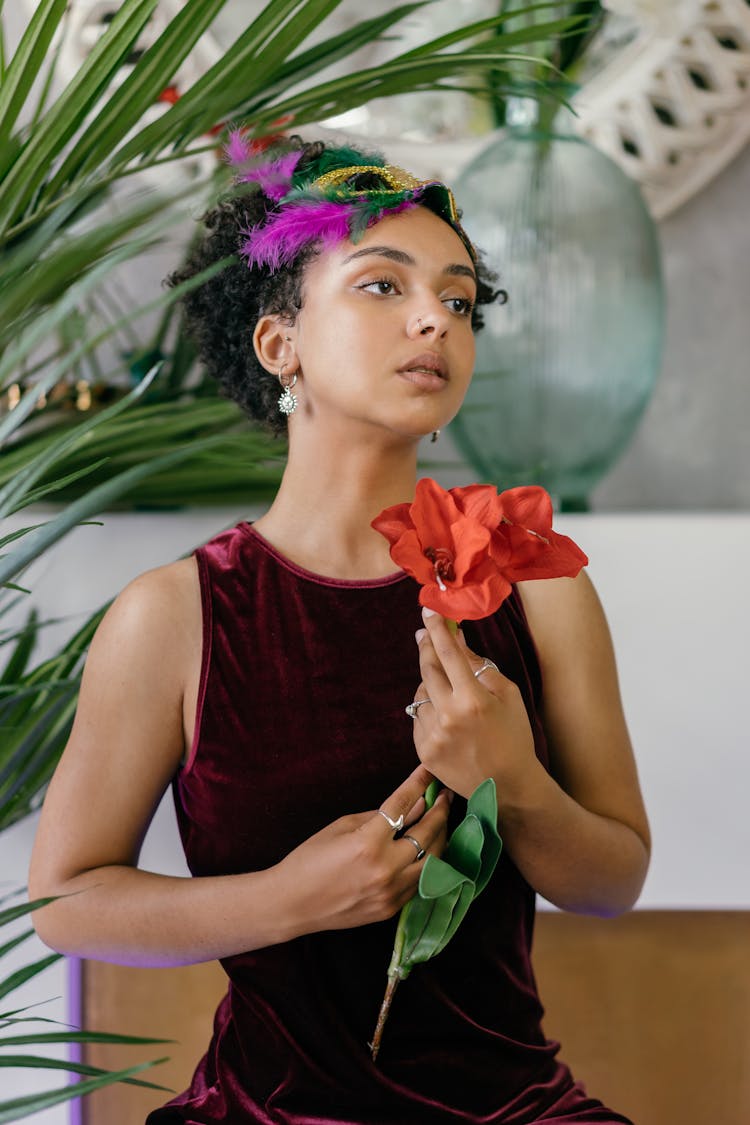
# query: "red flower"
{"points": [[170, 94], [452, 554], [466, 546], [523, 519]]}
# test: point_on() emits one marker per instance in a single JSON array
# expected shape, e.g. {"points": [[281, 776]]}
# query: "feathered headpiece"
{"points": [[335, 196]]}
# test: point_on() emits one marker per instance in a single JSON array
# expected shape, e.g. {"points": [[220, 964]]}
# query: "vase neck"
{"points": [[544, 117]]}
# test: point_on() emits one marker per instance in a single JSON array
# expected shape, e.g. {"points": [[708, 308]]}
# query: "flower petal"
{"points": [[393, 522], [470, 544], [559, 558], [408, 553], [469, 602], [480, 501], [530, 505], [432, 513]]}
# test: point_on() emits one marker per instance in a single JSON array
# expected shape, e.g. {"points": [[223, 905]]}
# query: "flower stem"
{"points": [[385, 1007]]}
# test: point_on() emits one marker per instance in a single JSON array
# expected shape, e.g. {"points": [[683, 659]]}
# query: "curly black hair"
{"points": [[220, 315]]}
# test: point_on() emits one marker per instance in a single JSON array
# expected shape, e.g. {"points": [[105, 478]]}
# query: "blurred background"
{"points": [[600, 154]]}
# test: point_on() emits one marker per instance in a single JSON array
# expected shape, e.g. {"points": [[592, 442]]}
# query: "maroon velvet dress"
{"points": [[300, 721]]}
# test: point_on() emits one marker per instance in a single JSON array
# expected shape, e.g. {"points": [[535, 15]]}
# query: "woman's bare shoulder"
{"points": [[151, 629], [563, 610], [158, 600]]}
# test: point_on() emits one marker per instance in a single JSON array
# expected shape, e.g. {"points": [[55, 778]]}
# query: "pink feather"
{"points": [[237, 150], [274, 177], [278, 241]]}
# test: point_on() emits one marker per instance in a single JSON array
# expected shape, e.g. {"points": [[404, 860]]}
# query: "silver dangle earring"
{"points": [[287, 401], [435, 436]]}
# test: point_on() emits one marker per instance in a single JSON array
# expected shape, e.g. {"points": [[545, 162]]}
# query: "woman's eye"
{"points": [[382, 286], [461, 305]]}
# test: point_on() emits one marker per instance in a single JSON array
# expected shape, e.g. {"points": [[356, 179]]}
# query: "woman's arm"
{"points": [[127, 741], [578, 834]]}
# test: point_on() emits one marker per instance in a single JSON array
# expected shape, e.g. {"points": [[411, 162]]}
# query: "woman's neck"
{"points": [[321, 515]]}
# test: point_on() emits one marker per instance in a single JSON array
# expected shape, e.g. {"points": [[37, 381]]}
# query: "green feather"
{"points": [[332, 158]]}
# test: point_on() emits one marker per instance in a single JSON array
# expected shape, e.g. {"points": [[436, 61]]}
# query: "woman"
{"points": [[267, 678]]}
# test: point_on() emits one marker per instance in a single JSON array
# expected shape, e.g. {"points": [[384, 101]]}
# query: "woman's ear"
{"points": [[274, 345]]}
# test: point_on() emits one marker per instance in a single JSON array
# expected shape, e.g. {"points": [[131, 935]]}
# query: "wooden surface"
{"points": [[653, 1010]]}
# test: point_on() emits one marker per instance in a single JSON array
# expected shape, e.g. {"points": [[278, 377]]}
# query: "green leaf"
{"points": [[460, 909], [28, 972], [61, 121], [12, 493], [425, 923], [306, 64], [34, 1039], [16, 1108], [18, 534], [11, 913], [73, 269], [33, 496], [535, 32], [269, 39], [25, 65], [35, 750], [448, 886], [95, 501], [21, 654], [439, 878], [400, 75], [16, 941], [127, 104], [483, 805], [39, 1062], [464, 850]]}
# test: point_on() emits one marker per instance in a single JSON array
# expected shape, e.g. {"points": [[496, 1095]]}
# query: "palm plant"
{"points": [[18, 1028], [562, 45], [61, 160]]}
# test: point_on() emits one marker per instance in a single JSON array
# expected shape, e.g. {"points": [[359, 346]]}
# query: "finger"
{"points": [[451, 656], [416, 813], [422, 839], [394, 810], [437, 686], [484, 670], [421, 699]]}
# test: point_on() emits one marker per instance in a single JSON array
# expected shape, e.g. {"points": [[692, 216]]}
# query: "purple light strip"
{"points": [[75, 1017]]}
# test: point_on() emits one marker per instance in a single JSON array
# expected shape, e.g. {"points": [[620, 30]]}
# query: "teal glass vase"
{"points": [[565, 369]]}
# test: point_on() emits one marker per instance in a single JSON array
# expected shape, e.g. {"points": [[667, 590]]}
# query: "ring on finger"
{"points": [[417, 845], [412, 708], [396, 825], [486, 665]]}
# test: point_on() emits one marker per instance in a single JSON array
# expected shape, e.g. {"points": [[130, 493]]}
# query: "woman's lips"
{"points": [[424, 379], [428, 371]]}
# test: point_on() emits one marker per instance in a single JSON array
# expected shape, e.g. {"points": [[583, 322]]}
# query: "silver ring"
{"points": [[412, 708], [417, 845], [487, 664], [396, 825]]}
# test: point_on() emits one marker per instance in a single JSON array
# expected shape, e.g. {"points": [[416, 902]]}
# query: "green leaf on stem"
{"points": [[447, 888]]}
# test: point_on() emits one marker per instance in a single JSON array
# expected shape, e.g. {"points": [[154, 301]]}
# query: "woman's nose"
{"points": [[429, 324]]}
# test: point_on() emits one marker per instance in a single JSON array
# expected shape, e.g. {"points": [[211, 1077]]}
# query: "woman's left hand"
{"points": [[473, 727]]}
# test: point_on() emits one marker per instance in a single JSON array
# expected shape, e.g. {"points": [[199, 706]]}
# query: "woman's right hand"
{"points": [[353, 871]]}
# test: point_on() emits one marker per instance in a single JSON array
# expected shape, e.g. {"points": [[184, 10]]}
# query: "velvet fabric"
{"points": [[300, 721]]}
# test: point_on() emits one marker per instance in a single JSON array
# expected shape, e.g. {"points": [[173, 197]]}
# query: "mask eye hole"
{"points": [[367, 181]]}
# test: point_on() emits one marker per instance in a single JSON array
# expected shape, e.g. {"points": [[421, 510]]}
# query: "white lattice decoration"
{"points": [[674, 112]]}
